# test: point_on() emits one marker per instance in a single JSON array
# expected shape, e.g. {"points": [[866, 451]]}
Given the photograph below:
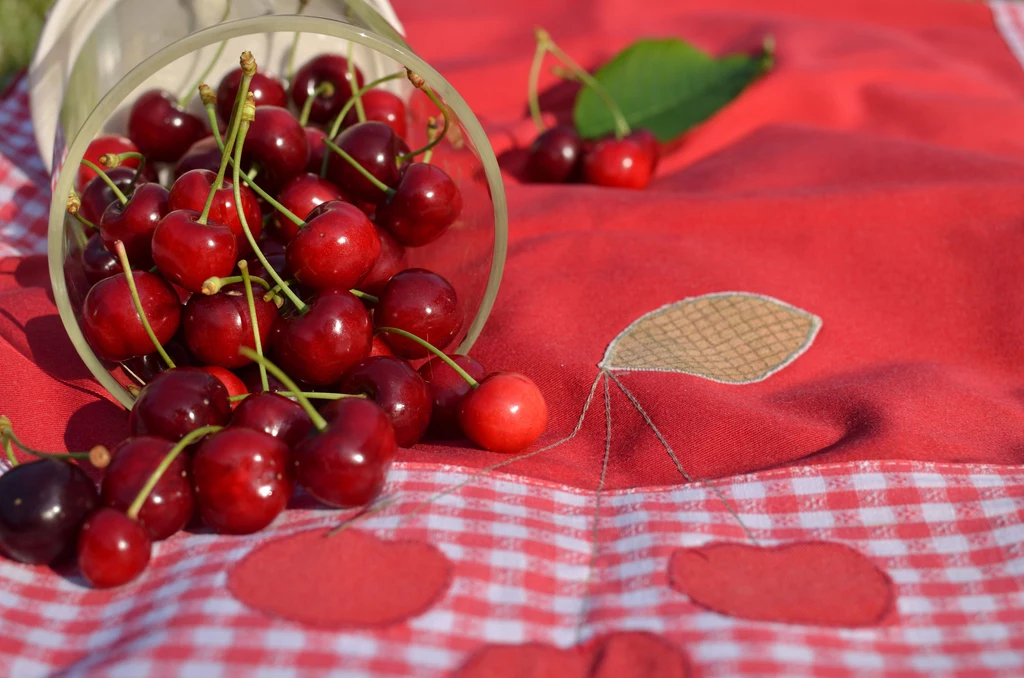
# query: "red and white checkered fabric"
{"points": [[24, 182]]}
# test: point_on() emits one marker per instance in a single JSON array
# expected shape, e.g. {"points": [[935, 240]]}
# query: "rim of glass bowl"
{"points": [[393, 47]]}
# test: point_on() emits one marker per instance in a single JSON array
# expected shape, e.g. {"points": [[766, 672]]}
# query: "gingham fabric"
{"points": [[24, 183]]}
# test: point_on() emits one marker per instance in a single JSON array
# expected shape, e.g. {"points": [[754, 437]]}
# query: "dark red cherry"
{"points": [[145, 367], [507, 413], [134, 222], [300, 196], [382, 106], [204, 154], [420, 302], [98, 262], [380, 347], [191, 190], [267, 90], [169, 506], [111, 324], [250, 376], [100, 146], [42, 506], [274, 415], [242, 480], [315, 139], [97, 196], [177, 402], [646, 138], [232, 383], [448, 389], [618, 163], [347, 464], [424, 205], [374, 146], [335, 249], [392, 260], [217, 326], [160, 128], [277, 143], [188, 253], [273, 249], [396, 387], [318, 70], [320, 345], [113, 549], [554, 156]]}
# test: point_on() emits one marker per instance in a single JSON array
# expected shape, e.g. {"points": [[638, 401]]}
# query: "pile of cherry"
{"points": [[300, 254]]}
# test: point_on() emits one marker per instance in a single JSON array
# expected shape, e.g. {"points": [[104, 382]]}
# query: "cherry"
{"points": [[315, 139], [335, 249], [380, 346], [392, 260], [277, 143], [113, 549], [98, 262], [447, 390], [300, 196], [646, 138], [374, 146], [347, 463], [274, 415], [191, 190], [111, 324], [273, 249], [98, 196], [179, 401], [242, 480], [188, 252], [423, 206], [618, 163], [160, 128], [506, 413], [554, 156], [250, 376], [232, 383], [319, 346], [329, 68], [422, 303], [42, 505], [268, 91], [145, 367], [102, 145], [133, 223], [217, 325], [396, 387], [204, 154], [382, 106], [168, 508]]}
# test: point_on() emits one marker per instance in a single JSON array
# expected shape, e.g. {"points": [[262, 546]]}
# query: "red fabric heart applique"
{"points": [[629, 654], [350, 579], [820, 583]]}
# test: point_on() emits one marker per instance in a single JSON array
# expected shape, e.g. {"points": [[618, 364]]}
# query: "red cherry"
{"points": [[277, 143], [382, 106], [392, 260], [300, 196], [335, 249], [177, 402], [448, 389], [242, 480], [100, 146], [274, 415], [347, 463], [98, 196], [268, 91], [422, 303], [320, 345], [273, 249], [380, 347], [315, 139], [113, 549], [618, 163], [506, 413], [374, 146], [134, 222], [191, 190], [148, 366], [232, 383], [554, 156], [218, 325], [169, 505], [396, 387], [111, 324], [646, 138], [160, 128], [318, 70], [188, 252], [250, 376], [424, 205], [98, 263], [203, 154]]}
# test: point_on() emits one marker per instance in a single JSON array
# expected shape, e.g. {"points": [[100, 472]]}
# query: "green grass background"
{"points": [[20, 23]]}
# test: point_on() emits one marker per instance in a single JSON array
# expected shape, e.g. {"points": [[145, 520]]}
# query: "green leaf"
{"points": [[666, 86]]}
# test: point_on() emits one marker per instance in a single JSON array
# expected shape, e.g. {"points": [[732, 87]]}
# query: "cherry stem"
{"points": [[9, 451], [444, 130], [322, 395], [315, 416], [431, 135], [225, 156], [243, 266], [364, 295], [186, 96], [323, 89], [362, 170], [129, 275], [295, 43], [276, 289], [107, 180], [112, 160], [433, 349], [98, 454], [584, 76], [73, 206], [358, 96], [214, 285], [340, 118], [533, 84], [158, 472], [211, 116]]}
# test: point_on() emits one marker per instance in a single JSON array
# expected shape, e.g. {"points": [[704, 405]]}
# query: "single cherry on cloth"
{"points": [[277, 143], [325, 68], [397, 388], [113, 549], [618, 163], [168, 508], [267, 90], [133, 223], [98, 196], [554, 156], [114, 144], [177, 402], [373, 145], [505, 413], [42, 506], [392, 260], [423, 206], [188, 252], [204, 154], [382, 106], [217, 325], [335, 249], [447, 390], [98, 263], [420, 302], [242, 480], [300, 196], [111, 324], [160, 128], [274, 415], [320, 345], [191, 190], [347, 463]]}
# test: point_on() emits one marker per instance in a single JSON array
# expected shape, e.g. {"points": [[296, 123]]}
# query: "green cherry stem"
{"points": [[323, 89], [243, 266], [210, 104], [187, 94], [98, 455], [340, 118], [158, 472], [214, 285], [318, 420], [358, 96], [129, 276], [362, 170], [74, 204], [112, 160], [363, 295], [431, 135], [418, 82], [534, 83], [433, 349], [9, 451], [107, 180], [295, 43], [322, 395]]}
